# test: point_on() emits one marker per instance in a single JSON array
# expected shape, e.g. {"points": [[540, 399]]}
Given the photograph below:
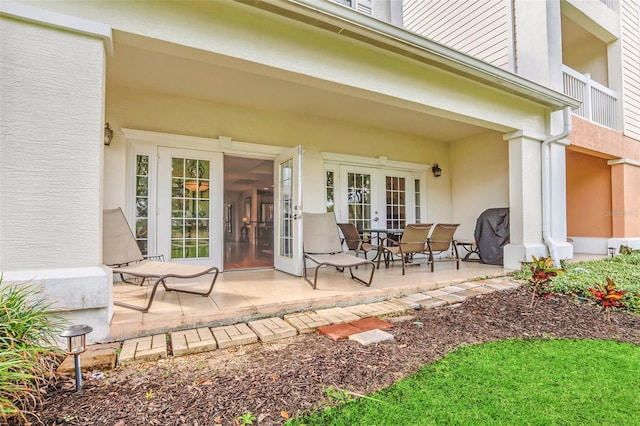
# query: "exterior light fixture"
{"points": [[612, 251], [76, 344], [108, 134], [437, 171]]}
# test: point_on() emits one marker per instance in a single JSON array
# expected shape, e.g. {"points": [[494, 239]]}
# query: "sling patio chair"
{"points": [[441, 241], [121, 253], [354, 241], [322, 246], [413, 241]]}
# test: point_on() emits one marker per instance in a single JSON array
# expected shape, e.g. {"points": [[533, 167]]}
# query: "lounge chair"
{"points": [[321, 245], [412, 242], [441, 240], [120, 251], [354, 241]]}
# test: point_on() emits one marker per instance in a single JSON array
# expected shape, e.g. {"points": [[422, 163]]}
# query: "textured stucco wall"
{"points": [[588, 196], [51, 151], [480, 179], [51, 148]]}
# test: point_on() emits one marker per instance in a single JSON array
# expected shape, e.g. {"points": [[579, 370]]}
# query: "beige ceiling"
{"points": [[181, 74]]}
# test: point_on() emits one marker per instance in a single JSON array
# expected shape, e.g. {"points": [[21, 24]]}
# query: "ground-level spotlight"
{"points": [[76, 344]]}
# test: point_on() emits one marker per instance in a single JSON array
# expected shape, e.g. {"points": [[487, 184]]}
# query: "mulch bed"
{"points": [[287, 378]]}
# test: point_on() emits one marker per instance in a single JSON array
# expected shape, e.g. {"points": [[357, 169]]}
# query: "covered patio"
{"points": [[245, 295]]}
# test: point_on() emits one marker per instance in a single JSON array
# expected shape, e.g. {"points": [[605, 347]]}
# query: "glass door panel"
{"points": [[190, 206], [359, 187], [288, 212]]}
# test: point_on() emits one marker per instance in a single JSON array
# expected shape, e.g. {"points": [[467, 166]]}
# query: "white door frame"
{"points": [[142, 142], [287, 219]]}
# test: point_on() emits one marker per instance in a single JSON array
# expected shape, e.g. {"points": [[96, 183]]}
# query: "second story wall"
{"points": [[630, 17], [477, 28]]}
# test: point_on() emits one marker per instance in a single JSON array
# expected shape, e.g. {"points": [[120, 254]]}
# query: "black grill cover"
{"points": [[492, 234]]}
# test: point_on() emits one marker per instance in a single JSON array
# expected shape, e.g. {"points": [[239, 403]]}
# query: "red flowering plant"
{"points": [[608, 297], [543, 272]]}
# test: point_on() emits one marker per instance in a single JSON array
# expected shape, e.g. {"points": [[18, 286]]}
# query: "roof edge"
{"points": [[347, 22]]}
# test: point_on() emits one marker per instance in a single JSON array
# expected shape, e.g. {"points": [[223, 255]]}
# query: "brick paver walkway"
{"points": [[270, 329]]}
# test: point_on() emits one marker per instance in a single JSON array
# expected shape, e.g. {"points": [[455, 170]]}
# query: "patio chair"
{"points": [[441, 241], [322, 246], [120, 251], [412, 242], [355, 242]]}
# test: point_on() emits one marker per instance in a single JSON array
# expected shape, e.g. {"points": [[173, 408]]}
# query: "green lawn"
{"points": [[512, 382]]}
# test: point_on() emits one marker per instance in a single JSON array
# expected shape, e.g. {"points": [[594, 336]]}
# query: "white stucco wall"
{"points": [[237, 36], [51, 150], [480, 179]]}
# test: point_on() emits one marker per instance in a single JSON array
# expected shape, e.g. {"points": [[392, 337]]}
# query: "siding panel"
{"points": [[630, 16], [476, 27]]}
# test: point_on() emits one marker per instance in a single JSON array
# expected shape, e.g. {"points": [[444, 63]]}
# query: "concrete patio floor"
{"points": [[240, 296]]}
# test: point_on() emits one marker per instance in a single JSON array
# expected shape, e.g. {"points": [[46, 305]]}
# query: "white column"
{"points": [[525, 196], [52, 81]]}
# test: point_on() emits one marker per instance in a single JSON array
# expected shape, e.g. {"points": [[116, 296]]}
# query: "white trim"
{"points": [[628, 161], [58, 20], [524, 134], [350, 23], [589, 245], [381, 161], [220, 144]]}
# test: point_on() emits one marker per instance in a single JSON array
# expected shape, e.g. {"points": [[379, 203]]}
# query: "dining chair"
{"points": [[441, 240], [354, 241], [412, 242]]}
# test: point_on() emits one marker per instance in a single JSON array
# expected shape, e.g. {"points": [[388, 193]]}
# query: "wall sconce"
{"points": [[76, 344], [437, 171], [108, 134]]}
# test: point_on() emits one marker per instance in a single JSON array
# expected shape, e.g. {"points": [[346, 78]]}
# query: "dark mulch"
{"points": [[287, 378]]}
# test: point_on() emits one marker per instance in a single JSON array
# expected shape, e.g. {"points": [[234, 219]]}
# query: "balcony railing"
{"points": [[598, 101]]}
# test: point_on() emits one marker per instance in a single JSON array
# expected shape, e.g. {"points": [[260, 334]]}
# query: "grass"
{"points": [[523, 382], [623, 269]]}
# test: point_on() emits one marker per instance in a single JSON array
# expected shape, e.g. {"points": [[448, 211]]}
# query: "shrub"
{"points": [[27, 349], [542, 272], [624, 270]]}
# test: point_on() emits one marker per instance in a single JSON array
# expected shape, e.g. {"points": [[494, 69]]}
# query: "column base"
{"points": [[516, 254]]}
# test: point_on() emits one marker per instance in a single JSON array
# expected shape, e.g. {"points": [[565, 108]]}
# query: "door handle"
{"points": [[375, 219]]}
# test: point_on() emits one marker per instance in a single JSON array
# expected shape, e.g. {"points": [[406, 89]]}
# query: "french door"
{"points": [[190, 206], [378, 198], [288, 212]]}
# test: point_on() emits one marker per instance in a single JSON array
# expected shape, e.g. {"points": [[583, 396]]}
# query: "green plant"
{"points": [[607, 296], [542, 273], [337, 395], [27, 349], [246, 419]]}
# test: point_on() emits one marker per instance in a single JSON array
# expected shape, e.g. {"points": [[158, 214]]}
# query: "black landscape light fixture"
{"points": [[612, 251], [76, 344], [437, 171]]}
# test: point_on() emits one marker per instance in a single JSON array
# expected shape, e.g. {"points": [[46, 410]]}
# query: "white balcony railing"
{"points": [[598, 101]]}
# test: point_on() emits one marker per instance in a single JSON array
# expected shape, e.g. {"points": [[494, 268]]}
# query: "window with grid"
{"points": [[189, 208], [141, 213], [396, 202], [417, 200], [330, 185], [286, 207], [359, 199]]}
